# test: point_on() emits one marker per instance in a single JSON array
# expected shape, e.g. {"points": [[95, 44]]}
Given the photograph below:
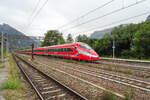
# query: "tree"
{"points": [[53, 37], [141, 41], [82, 38], [69, 38]]}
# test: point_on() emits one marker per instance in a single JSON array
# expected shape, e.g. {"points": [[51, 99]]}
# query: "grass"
{"points": [[2, 66], [110, 68], [129, 95], [10, 94], [12, 84], [128, 71], [108, 96], [13, 87]]}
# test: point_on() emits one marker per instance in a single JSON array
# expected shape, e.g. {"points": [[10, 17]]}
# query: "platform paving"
{"points": [[3, 77]]}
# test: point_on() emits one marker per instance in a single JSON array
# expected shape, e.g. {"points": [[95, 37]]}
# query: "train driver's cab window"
{"points": [[85, 46]]}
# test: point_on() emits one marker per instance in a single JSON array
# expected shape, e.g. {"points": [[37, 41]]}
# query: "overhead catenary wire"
{"points": [[91, 11], [110, 13], [32, 20], [35, 8], [115, 22], [32, 13]]}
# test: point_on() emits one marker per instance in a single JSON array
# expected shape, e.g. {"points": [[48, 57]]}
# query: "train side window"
{"points": [[65, 49], [69, 50], [46, 50], [61, 50]]}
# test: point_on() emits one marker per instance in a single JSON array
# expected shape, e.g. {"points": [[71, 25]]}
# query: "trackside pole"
{"points": [[113, 48], [2, 40], [32, 51]]}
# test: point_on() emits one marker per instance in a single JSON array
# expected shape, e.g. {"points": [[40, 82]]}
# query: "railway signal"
{"points": [[32, 51]]}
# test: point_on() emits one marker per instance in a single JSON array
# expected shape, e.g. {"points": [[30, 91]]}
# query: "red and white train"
{"points": [[78, 50]]}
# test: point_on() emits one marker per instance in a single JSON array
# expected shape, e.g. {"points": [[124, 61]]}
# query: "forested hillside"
{"points": [[131, 41]]}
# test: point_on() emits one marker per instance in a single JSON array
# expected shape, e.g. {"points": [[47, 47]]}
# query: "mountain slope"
{"points": [[16, 39], [100, 34]]}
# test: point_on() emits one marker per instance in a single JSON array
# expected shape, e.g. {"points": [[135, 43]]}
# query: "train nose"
{"points": [[94, 53]]}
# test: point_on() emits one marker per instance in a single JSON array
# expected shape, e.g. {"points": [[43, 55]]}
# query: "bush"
{"points": [[12, 84], [129, 95], [128, 54], [108, 96]]}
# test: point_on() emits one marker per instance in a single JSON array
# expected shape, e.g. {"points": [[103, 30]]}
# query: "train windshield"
{"points": [[85, 46]]}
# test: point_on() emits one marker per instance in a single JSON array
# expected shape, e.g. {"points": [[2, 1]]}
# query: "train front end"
{"points": [[86, 52]]}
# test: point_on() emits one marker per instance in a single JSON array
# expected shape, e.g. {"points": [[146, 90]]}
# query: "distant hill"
{"points": [[5, 28], [17, 39], [100, 34], [148, 17]]}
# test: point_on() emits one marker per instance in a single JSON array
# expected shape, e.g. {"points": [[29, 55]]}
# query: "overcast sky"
{"points": [[56, 13]]}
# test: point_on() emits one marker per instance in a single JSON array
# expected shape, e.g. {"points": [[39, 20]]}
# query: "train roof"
{"points": [[61, 45], [67, 44]]}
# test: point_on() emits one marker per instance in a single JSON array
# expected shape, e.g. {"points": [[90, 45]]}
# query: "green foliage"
{"points": [[53, 37], [85, 39], [82, 38], [2, 66], [128, 71], [12, 84], [13, 81], [131, 41], [4, 52], [108, 96], [142, 41], [129, 95]]}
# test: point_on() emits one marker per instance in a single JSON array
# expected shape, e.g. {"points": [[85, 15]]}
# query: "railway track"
{"points": [[135, 83], [126, 62], [138, 86], [45, 86]]}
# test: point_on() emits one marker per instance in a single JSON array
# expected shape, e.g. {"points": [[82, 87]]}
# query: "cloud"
{"points": [[59, 12]]}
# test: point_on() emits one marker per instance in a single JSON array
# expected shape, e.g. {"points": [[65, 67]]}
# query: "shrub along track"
{"points": [[46, 87], [114, 82]]}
